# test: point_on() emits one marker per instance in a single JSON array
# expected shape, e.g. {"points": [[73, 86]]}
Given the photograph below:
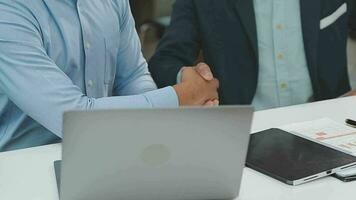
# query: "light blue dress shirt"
{"points": [[60, 55], [283, 72]]}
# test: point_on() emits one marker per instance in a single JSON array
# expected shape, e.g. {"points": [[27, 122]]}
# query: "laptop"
{"points": [[154, 154]]}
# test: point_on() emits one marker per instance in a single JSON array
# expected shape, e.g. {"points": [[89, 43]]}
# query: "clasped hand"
{"points": [[198, 86]]}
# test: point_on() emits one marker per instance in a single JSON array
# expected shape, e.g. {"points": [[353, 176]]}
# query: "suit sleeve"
{"points": [[179, 47], [352, 20]]}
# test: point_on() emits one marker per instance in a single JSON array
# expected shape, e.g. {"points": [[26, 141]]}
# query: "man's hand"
{"points": [[205, 72], [196, 90]]}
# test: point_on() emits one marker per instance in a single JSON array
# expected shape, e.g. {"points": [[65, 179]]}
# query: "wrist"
{"points": [[181, 93]]}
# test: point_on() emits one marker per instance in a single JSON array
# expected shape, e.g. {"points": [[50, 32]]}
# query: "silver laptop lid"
{"points": [[153, 154]]}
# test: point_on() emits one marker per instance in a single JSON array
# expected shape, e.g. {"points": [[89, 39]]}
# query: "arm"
{"points": [[179, 47], [36, 84], [132, 75]]}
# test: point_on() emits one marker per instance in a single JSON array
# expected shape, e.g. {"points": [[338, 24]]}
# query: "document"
{"points": [[327, 132]]}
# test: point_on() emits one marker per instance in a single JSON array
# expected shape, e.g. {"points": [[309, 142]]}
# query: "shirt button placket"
{"points": [[90, 83], [87, 48], [280, 53]]}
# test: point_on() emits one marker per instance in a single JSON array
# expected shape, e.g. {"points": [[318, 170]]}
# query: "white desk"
{"points": [[28, 174]]}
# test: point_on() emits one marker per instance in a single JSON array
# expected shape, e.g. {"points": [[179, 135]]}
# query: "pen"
{"points": [[351, 123]]}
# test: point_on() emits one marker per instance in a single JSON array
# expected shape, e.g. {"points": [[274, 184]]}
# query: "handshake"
{"points": [[198, 87]]}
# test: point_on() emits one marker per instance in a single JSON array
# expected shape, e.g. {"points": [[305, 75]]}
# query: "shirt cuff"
{"points": [[163, 98], [179, 76]]}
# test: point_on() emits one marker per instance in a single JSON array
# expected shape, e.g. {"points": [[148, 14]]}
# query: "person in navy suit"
{"points": [[267, 53]]}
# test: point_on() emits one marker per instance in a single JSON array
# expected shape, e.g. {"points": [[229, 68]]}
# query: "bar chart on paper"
{"points": [[327, 132]]}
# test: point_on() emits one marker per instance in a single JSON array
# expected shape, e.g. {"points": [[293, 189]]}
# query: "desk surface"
{"points": [[28, 174]]}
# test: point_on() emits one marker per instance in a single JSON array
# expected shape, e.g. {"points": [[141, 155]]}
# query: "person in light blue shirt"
{"points": [[60, 55]]}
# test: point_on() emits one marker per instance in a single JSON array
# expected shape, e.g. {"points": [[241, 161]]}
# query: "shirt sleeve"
{"points": [[179, 76], [132, 74], [33, 81]]}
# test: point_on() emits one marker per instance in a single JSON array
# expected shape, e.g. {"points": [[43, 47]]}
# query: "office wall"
{"points": [[148, 10], [147, 14], [352, 62]]}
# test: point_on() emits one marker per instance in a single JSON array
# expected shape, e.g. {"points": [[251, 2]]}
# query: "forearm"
{"points": [[41, 90], [46, 100]]}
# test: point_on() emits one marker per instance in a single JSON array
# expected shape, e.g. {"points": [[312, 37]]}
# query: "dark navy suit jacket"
{"points": [[225, 31]]}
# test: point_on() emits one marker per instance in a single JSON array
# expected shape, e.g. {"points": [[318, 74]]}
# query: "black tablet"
{"points": [[293, 159]]}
